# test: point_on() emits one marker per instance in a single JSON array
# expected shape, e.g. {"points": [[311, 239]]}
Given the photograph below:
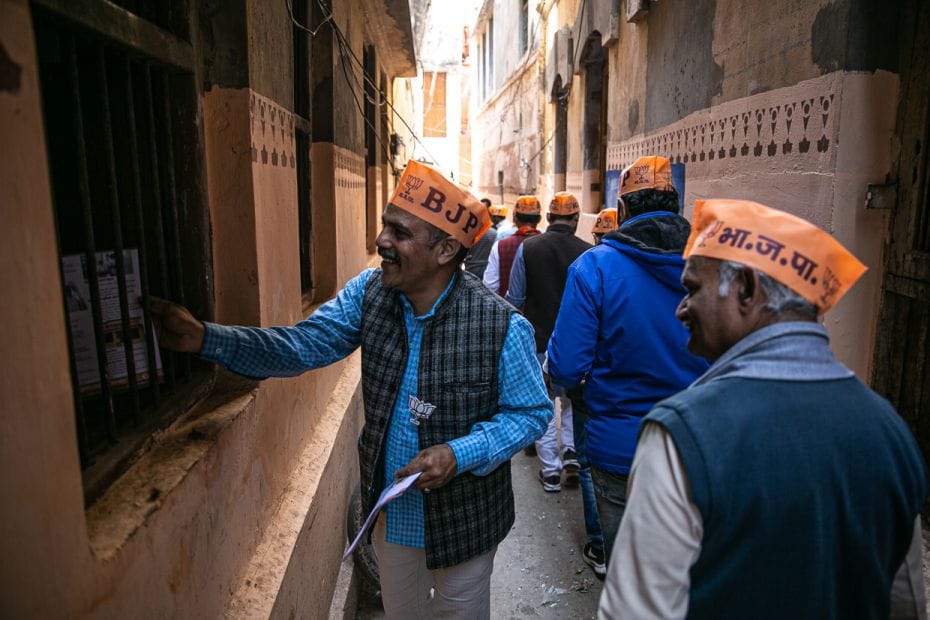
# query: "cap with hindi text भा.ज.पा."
{"points": [[528, 205], [606, 222], [785, 247], [564, 203], [424, 192], [647, 173]]}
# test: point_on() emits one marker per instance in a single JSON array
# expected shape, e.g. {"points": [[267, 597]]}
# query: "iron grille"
{"points": [[125, 164]]}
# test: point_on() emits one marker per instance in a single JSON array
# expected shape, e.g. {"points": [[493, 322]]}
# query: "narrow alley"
{"points": [[265, 260]]}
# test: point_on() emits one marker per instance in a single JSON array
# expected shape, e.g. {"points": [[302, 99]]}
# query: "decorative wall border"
{"points": [[349, 169], [273, 142], [793, 124]]}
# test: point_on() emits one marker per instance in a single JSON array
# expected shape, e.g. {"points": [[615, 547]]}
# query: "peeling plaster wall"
{"points": [[251, 483]]}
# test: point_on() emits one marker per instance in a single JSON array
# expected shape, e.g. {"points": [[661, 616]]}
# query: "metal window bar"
{"points": [[90, 252], [103, 100], [172, 192], [132, 136], [117, 228], [149, 98]]}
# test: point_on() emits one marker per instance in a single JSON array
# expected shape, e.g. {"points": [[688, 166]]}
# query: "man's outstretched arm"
{"points": [[326, 336]]}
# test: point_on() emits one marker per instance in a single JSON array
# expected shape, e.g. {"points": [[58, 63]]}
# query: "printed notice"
{"points": [[81, 319], [387, 496]]}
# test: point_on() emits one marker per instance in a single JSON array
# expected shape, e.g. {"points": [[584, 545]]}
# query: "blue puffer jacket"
{"points": [[617, 329]]}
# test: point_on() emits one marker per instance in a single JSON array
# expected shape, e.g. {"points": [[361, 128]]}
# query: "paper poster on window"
{"points": [[81, 318]]}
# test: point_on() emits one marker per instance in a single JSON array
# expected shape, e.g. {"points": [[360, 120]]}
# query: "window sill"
{"points": [[168, 457]]}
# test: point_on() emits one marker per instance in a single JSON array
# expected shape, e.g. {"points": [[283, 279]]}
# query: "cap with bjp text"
{"points": [[606, 222], [647, 173], [785, 247], [528, 205], [564, 203], [424, 192], [497, 211]]}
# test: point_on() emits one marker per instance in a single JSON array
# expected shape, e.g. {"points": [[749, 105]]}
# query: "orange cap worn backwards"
{"points": [[423, 191], [497, 211], [647, 173], [564, 203], [527, 204], [606, 222], [791, 250]]}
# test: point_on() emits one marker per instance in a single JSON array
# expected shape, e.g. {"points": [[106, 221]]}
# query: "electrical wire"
{"points": [[358, 105], [345, 47], [340, 36]]}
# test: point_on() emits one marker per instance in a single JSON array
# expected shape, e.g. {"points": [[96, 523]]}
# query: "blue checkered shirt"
{"points": [[334, 331]]}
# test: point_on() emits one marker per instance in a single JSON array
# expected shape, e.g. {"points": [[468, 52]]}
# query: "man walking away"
{"points": [[537, 280], [526, 216], [606, 222], [616, 329], [476, 261], [778, 485]]}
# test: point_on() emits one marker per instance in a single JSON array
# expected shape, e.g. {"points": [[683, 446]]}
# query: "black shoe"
{"points": [[551, 484], [570, 467], [595, 559]]}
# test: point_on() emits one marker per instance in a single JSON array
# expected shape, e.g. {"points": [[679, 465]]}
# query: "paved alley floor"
{"points": [[538, 570]]}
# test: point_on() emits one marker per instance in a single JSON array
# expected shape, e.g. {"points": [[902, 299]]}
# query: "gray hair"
{"points": [[779, 297]]}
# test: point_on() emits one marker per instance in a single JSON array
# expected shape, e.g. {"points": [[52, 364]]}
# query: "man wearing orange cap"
{"points": [[537, 280], [606, 222], [498, 215], [777, 485], [452, 390], [616, 331], [476, 261], [526, 216]]}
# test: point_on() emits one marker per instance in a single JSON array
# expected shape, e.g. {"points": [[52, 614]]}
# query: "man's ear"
{"points": [[749, 293], [448, 249]]}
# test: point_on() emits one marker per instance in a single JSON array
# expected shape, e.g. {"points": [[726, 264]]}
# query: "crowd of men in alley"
{"points": [[729, 465]]}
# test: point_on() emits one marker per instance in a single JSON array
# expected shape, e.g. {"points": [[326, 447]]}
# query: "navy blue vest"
{"points": [[808, 493]]}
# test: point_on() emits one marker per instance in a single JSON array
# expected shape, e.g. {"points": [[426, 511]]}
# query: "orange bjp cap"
{"points": [[791, 250], [424, 192], [651, 172], [564, 203], [606, 222], [497, 211], [528, 205]]}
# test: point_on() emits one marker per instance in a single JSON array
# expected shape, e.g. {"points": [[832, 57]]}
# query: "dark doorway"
{"points": [[595, 121], [902, 348]]}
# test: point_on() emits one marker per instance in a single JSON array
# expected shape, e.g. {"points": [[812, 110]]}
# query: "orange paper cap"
{"points": [[498, 211], [791, 250], [563, 203], [425, 193], [647, 173], [606, 221], [527, 204]]}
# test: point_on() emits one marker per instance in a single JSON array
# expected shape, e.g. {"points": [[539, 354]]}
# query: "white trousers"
{"points": [[547, 446], [462, 592]]}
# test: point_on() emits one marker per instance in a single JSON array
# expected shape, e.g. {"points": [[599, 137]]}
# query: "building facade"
{"points": [[816, 108], [230, 156]]}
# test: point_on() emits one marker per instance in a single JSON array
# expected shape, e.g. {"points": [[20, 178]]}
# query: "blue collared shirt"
{"points": [[334, 331]]}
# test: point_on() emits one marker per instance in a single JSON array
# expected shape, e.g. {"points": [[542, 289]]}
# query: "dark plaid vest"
{"points": [[459, 357]]}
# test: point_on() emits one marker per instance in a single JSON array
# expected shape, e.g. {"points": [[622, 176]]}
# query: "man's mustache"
{"points": [[388, 255]]}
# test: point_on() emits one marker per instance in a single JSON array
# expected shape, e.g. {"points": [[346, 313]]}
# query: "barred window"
{"points": [[125, 158]]}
